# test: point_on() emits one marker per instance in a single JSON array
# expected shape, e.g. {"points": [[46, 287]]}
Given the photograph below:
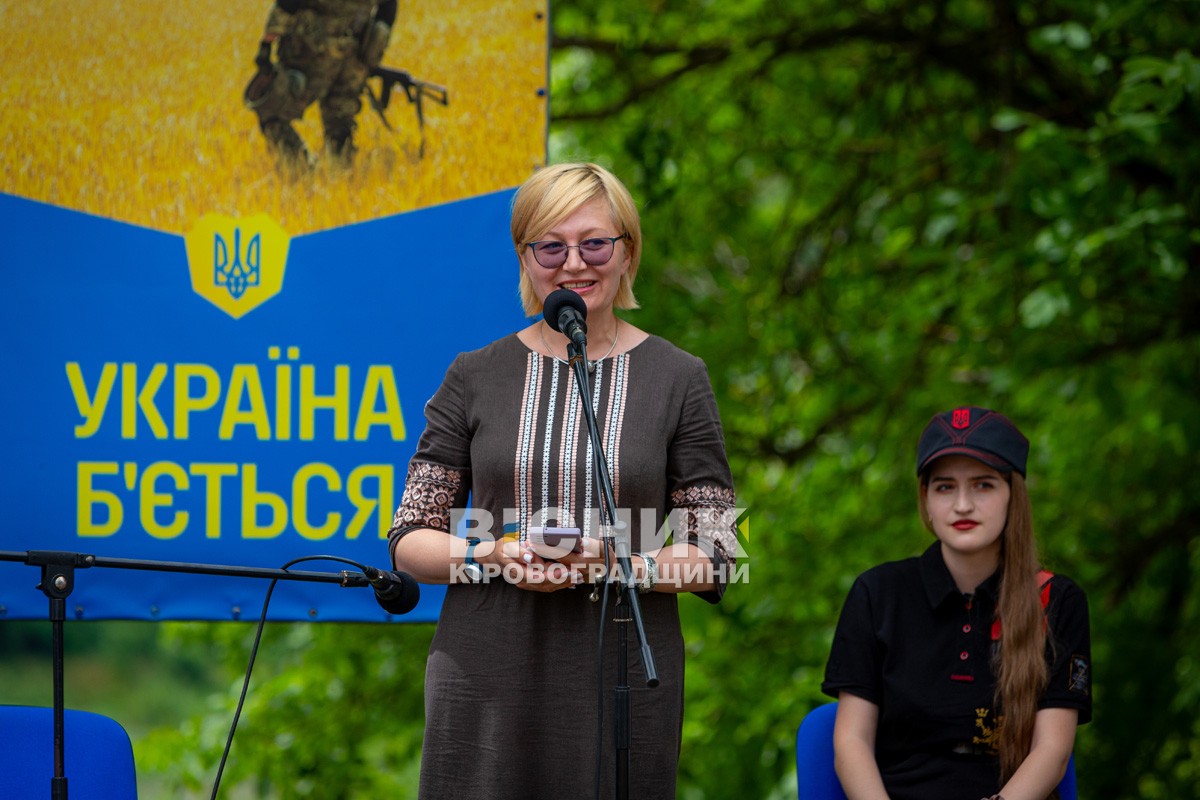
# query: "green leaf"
{"points": [[1042, 306]]}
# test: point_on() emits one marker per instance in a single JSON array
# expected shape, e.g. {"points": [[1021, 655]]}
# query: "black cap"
{"points": [[984, 435]]}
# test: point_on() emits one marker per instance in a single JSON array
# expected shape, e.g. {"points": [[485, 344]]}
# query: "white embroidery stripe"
{"points": [[535, 396], [607, 426], [521, 428], [567, 445], [616, 420], [526, 432], [548, 441], [563, 476], [588, 503]]}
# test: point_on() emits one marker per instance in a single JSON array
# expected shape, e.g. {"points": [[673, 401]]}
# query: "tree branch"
{"points": [[975, 58]]}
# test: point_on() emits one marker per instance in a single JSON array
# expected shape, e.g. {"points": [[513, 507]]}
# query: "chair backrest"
{"points": [[816, 778], [1066, 787], [97, 755]]}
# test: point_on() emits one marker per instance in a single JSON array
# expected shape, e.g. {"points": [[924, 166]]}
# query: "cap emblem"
{"points": [[961, 418]]}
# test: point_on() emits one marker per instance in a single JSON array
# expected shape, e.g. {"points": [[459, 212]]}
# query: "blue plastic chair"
{"points": [[97, 755], [815, 775]]}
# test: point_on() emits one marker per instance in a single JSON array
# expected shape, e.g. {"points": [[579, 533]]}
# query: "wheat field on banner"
{"points": [[132, 110]]}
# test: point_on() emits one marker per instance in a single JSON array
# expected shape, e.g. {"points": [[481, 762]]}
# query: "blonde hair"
{"points": [[1020, 662], [554, 193]]}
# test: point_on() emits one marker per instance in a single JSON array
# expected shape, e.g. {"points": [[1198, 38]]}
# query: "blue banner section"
{"points": [[235, 413]]}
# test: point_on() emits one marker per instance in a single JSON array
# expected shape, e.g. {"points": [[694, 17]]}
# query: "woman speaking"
{"points": [[512, 700]]}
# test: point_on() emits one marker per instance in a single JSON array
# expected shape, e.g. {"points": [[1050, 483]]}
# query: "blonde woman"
{"points": [[963, 673], [512, 700]]}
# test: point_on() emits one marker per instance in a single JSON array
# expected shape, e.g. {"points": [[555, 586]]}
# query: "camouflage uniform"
{"points": [[324, 52]]}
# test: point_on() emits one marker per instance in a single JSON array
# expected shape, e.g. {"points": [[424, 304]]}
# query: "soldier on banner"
{"points": [[317, 51]]}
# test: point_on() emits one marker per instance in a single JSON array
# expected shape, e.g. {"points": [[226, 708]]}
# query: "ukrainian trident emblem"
{"points": [[237, 264], [238, 275]]}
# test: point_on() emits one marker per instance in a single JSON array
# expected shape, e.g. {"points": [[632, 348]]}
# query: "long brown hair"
{"points": [[1020, 662]]}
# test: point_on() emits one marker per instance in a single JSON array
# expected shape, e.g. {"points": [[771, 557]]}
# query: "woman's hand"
{"points": [[522, 566], [525, 569], [587, 563], [1049, 753]]}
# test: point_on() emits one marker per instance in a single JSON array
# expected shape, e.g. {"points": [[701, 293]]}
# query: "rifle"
{"points": [[415, 90]]}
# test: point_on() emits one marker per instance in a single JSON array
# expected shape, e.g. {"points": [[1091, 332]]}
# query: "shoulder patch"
{"points": [[1081, 675]]}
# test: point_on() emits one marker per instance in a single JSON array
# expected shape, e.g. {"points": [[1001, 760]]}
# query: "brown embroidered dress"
{"points": [[511, 696]]}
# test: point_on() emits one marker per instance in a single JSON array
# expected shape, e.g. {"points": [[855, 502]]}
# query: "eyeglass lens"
{"points": [[594, 252]]}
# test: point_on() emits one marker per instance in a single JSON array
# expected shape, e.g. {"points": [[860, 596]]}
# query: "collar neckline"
{"points": [[939, 583]]}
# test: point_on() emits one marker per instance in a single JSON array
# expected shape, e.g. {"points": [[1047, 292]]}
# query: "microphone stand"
{"points": [[58, 580], [628, 595]]}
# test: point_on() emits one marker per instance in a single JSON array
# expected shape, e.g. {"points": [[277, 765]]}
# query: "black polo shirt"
{"points": [[911, 643]]}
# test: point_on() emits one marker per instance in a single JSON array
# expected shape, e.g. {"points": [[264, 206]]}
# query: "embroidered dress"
{"points": [[511, 696]]}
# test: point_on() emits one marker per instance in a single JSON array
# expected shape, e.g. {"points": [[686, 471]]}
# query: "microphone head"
{"points": [[561, 300], [401, 595]]}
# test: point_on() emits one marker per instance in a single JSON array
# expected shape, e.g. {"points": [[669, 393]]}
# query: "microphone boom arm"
{"points": [[58, 581]]}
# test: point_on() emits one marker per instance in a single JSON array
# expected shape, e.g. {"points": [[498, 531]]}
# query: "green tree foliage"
{"points": [[859, 213], [332, 712], [862, 213]]}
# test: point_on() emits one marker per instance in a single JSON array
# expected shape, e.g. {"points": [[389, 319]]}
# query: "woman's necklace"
{"points": [[591, 364]]}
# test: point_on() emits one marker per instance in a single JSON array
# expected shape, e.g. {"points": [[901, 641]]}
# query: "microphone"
{"points": [[396, 592], [565, 312]]}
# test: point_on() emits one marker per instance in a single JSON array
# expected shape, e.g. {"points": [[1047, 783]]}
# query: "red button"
{"points": [[963, 655], [966, 628]]}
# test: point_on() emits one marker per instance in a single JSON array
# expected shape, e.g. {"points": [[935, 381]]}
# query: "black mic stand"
{"points": [[58, 580], [628, 595]]}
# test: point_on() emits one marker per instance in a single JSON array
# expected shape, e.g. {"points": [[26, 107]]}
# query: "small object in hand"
{"points": [[554, 543]]}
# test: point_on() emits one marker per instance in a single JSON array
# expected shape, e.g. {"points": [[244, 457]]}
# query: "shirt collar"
{"points": [[939, 583]]}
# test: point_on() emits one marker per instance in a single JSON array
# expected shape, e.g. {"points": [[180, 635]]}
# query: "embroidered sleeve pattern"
{"points": [[429, 494], [708, 519]]}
